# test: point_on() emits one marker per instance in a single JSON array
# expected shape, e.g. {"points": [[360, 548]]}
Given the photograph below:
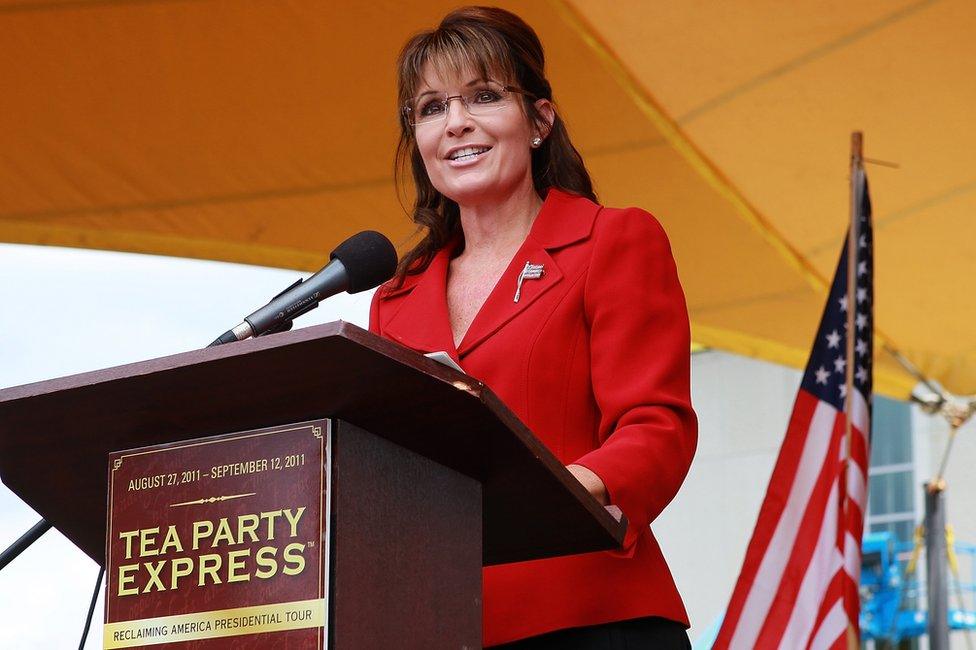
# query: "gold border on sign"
{"points": [[227, 437]]}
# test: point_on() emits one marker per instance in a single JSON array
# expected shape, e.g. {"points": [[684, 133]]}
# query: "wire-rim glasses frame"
{"points": [[414, 118]]}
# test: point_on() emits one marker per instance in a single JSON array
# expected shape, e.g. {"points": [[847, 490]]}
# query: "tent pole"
{"points": [[935, 566]]}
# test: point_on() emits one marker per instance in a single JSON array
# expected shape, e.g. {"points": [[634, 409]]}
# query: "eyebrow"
{"points": [[467, 85]]}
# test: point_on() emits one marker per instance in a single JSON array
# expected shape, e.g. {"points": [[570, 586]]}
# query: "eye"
{"points": [[486, 96], [431, 107]]}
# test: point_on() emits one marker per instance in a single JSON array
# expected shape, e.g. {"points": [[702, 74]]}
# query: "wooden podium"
{"points": [[431, 476]]}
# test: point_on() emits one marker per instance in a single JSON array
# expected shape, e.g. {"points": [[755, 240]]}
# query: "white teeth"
{"points": [[467, 153]]}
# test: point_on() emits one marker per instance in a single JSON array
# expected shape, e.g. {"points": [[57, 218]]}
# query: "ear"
{"points": [[547, 113]]}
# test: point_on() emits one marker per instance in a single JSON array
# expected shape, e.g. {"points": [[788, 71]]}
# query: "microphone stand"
{"points": [[230, 336], [23, 542], [29, 538]]}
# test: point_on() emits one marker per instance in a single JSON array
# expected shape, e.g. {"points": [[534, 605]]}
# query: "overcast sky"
{"points": [[64, 311]]}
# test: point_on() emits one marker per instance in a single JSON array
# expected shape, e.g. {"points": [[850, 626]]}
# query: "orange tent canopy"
{"points": [[263, 132]]}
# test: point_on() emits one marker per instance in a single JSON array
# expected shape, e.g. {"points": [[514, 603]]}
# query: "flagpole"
{"points": [[857, 157], [857, 142]]}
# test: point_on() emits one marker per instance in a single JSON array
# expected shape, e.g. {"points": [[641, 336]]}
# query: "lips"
{"points": [[464, 154]]}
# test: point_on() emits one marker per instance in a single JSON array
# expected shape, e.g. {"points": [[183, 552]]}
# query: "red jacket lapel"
{"points": [[564, 219], [422, 321]]}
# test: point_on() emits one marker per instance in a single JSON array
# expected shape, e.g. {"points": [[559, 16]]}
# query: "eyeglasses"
{"points": [[485, 99]]}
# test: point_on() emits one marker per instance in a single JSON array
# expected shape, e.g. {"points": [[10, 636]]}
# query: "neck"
{"points": [[498, 227]]}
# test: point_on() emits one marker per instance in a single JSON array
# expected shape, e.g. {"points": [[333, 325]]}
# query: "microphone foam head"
{"points": [[369, 259]]}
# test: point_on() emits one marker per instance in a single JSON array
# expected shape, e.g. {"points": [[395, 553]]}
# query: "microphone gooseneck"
{"points": [[362, 262]]}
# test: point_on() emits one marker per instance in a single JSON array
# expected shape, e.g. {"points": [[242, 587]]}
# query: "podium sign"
{"points": [[220, 537]]}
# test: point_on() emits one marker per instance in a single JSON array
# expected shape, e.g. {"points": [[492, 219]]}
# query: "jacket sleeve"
{"points": [[640, 367]]}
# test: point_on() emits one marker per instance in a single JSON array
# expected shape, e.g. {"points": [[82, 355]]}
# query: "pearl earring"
{"points": [[536, 142]]}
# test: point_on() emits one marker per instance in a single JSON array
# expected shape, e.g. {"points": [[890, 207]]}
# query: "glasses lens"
{"points": [[431, 108], [485, 100], [427, 109]]}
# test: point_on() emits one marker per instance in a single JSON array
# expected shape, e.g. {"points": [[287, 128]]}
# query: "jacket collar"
{"points": [[422, 322], [563, 220]]}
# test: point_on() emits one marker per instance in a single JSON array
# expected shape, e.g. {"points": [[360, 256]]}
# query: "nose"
{"points": [[458, 120]]}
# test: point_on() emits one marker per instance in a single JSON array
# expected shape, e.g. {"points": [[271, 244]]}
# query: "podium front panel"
{"points": [[221, 542], [311, 535]]}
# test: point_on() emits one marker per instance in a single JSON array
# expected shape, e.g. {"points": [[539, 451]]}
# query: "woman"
{"points": [[570, 312]]}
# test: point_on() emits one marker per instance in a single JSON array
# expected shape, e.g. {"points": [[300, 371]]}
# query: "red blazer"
{"points": [[594, 358]]}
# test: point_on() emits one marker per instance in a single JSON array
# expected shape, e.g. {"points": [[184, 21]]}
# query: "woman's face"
{"points": [[474, 159]]}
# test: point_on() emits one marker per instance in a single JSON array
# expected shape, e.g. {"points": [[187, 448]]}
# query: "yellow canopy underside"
{"points": [[263, 132]]}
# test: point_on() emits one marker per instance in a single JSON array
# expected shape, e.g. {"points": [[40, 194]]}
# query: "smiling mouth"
{"points": [[468, 153]]}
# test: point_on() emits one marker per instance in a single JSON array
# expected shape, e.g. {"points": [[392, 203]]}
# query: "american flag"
{"points": [[798, 587]]}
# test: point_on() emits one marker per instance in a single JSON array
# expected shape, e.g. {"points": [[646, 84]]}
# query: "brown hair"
{"points": [[497, 44]]}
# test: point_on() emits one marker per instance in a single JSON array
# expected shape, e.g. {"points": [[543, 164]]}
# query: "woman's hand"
{"points": [[593, 484]]}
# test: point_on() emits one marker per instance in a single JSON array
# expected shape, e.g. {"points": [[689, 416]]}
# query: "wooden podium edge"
{"points": [[468, 386]]}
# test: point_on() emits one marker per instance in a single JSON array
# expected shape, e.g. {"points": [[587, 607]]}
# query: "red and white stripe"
{"points": [[798, 585]]}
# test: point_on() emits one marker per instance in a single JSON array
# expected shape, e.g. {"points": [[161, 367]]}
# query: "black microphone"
{"points": [[362, 262]]}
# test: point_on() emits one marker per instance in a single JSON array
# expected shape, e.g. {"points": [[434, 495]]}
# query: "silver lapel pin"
{"points": [[529, 272]]}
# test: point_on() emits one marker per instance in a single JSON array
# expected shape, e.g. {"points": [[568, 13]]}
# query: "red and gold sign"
{"points": [[220, 541]]}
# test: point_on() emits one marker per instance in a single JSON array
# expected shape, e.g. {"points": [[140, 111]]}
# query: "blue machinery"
{"points": [[892, 596]]}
